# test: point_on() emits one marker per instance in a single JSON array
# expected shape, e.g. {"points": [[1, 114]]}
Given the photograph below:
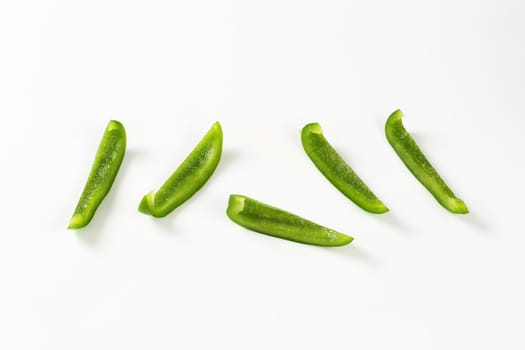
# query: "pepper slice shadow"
{"points": [[263, 218], [415, 160], [105, 167], [188, 178]]}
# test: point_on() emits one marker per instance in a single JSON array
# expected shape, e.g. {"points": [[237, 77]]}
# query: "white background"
{"points": [[417, 277]]}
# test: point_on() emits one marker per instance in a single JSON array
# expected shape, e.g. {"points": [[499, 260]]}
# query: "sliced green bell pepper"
{"points": [[188, 178], [272, 221], [414, 159], [103, 172], [337, 171]]}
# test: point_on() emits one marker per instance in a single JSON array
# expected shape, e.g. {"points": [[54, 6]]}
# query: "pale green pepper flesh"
{"points": [[414, 159], [272, 221], [107, 162], [188, 178], [337, 171]]}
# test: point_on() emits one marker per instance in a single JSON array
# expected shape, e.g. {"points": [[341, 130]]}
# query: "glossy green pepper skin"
{"points": [[272, 221], [414, 159], [107, 162], [189, 177], [337, 171]]}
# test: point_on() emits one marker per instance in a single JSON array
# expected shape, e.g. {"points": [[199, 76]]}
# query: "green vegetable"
{"points": [[275, 222], [103, 172], [414, 159], [334, 168], [189, 177]]}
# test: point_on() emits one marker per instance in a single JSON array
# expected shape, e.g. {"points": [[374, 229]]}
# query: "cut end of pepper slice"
{"points": [[147, 203], [395, 116], [314, 128], [235, 205], [114, 125]]}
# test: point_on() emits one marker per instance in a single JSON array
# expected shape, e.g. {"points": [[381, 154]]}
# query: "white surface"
{"points": [[415, 278]]}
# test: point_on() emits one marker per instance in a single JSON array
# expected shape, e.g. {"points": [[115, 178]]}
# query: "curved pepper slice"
{"points": [[272, 221], [189, 177], [103, 172], [414, 159], [339, 173]]}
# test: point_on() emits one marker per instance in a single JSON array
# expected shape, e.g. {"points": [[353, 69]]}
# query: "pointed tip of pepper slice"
{"points": [[377, 208], [457, 206], [342, 240], [216, 125], [216, 128], [77, 221]]}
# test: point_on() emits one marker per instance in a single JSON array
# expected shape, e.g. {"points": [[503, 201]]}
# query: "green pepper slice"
{"points": [[414, 159], [103, 172], [188, 178], [272, 221], [337, 171]]}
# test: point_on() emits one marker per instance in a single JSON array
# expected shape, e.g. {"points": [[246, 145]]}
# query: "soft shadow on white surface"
{"points": [[426, 137], [228, 158], [380, 120], [92, 233], [355, 252], [392, 220], [478, 222], [167, 224]]}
